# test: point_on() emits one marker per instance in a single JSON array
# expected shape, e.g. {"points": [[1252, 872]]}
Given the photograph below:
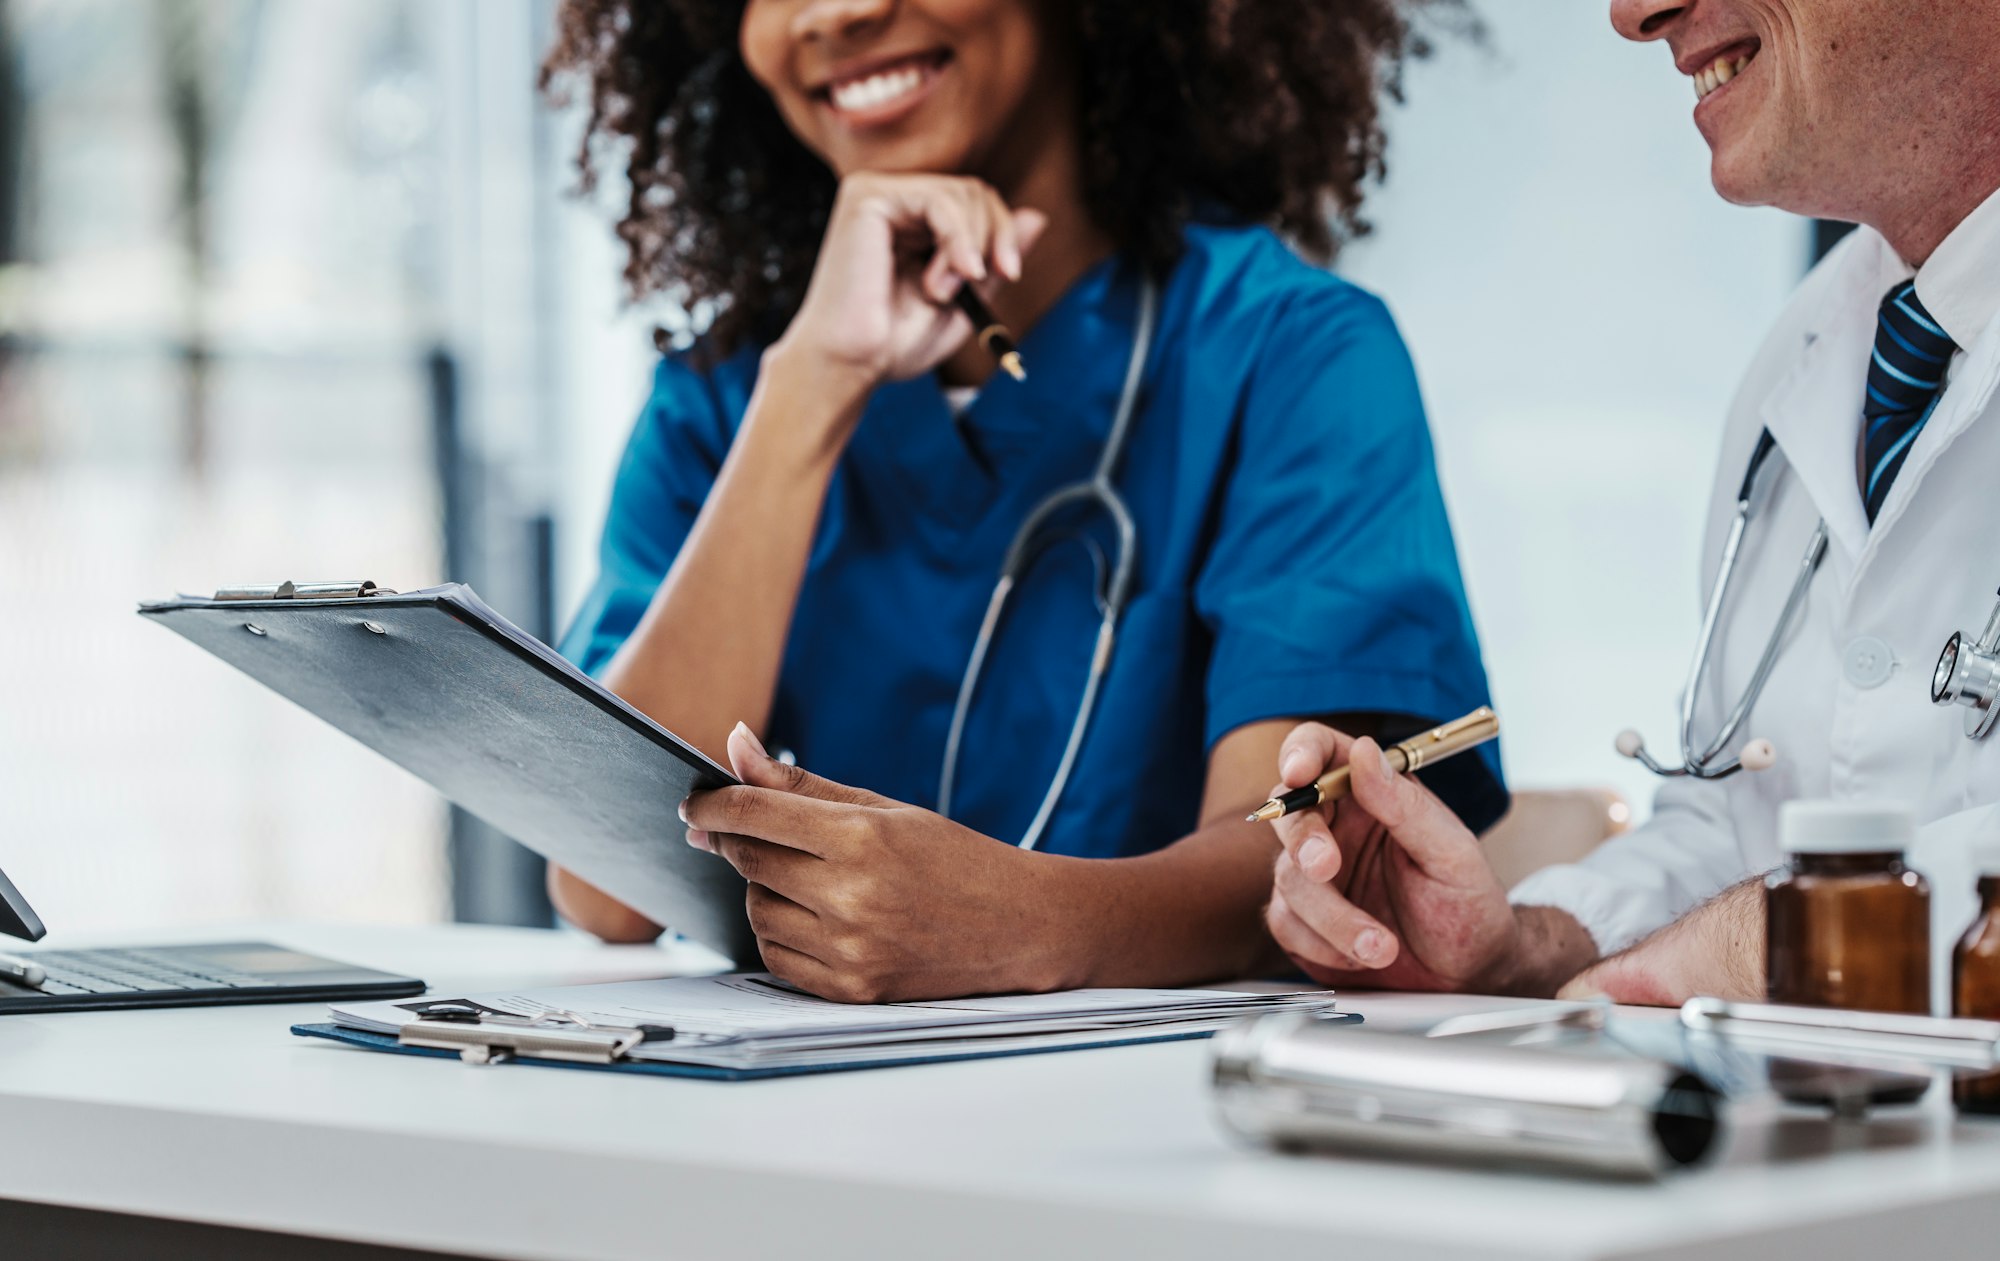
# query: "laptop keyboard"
{"points": [[133, 972]]}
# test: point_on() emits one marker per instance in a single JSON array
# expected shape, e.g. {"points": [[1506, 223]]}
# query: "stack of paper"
{"points": [[753, 1021]]}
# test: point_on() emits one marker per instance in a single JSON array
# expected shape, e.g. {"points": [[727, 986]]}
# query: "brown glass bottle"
{"points": [[1975, 990], [1849, 926], [1851, 931]]}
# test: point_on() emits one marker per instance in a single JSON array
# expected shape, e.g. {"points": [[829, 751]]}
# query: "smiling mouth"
{"points": [[1717, 74], [883, 87]]}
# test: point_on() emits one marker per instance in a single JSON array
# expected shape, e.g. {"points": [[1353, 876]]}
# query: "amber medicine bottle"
{"points": [[1849, 925], [1975, 982]]}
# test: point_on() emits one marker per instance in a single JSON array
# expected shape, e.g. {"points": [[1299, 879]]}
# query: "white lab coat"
{"points": [[1848, 705]]}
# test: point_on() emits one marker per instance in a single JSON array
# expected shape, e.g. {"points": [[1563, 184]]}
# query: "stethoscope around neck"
{"points": [[1967, 672], [1113, 579], [1706, 761]]}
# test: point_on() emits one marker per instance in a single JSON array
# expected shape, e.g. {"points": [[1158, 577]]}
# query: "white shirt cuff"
{"points": [[1614, 914]]}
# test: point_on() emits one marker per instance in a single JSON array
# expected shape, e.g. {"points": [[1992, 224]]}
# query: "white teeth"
{"points": [[876, 89], [1712, 77]]}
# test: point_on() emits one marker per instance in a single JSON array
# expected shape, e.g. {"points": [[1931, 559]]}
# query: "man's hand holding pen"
{"points": [[1384, 887]]}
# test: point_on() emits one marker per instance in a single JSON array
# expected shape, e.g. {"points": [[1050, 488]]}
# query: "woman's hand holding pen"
{"points": [[897, 247], [858, 898], [1385, 887]]}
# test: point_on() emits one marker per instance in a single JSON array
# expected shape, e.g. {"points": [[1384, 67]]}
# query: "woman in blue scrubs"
{"points": [[815, 505]]}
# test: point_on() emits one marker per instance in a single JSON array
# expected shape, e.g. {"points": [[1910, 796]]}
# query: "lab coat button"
{"points": [[1867, 662]]}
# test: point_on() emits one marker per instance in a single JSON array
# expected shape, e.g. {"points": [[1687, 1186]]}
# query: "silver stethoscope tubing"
{"points": [[1096, 491], [1706, 762]]}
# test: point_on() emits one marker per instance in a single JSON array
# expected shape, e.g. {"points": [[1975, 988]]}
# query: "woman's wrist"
{"points": [[1073, 931], [1044, 941], [596, 911], [815, 398]]}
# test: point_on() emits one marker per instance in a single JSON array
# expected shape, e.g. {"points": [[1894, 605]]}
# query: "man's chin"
{"points": [[1739, 179]]}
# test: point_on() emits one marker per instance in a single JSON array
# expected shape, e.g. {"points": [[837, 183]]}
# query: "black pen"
{"points": [[992, 334]]}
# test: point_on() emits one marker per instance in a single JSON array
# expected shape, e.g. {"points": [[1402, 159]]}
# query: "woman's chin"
{"points": [[915, 153]]}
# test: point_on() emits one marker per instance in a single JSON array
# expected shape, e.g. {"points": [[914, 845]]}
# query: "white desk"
{"points": [[221, 1116]]}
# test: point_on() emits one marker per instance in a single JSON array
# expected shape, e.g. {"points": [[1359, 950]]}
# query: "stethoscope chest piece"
{"points": [[1968, 674]]}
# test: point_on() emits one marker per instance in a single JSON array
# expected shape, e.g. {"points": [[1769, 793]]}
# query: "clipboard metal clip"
{"points": [[302, 591], [486, 1037]]}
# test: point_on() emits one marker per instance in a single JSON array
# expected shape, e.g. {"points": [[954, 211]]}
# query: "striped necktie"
{"points": [[1905, 375]]}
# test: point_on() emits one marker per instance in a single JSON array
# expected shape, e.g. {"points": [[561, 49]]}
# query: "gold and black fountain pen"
{"points": [[992, 334], [1435, 745]]}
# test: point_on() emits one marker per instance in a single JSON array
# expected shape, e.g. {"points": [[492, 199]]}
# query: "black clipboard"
{"points": [[497, 722]]}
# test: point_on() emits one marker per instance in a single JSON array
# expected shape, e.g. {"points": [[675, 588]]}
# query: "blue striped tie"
{"points": [[1905, 375]]}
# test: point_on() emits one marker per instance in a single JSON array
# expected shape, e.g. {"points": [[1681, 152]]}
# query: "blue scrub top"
{"points": [[1294, 555]]}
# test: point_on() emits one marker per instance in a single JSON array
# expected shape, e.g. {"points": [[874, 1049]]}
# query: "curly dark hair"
{"points": [[1262, 111]]}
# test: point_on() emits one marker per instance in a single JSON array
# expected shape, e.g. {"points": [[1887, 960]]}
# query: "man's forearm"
{"points": [[1717, 949], [1726, 935]]}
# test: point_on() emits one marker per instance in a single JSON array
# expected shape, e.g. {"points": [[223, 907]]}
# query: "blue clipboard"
{"points": [[387, 1042]]}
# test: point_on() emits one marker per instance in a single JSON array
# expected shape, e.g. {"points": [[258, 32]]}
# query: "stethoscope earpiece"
{"points": [[1758, 755]]}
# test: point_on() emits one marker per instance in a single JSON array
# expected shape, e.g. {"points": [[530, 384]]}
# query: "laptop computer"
{"points": [[170, 976]]}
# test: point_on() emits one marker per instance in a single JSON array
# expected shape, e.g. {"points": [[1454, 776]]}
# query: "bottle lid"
{"points": [[1844, 827]]}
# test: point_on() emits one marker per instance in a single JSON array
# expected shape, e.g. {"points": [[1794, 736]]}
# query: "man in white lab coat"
{"points": [[1880, 396]]}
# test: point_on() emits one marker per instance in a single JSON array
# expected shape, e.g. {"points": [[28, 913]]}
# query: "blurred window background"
{"points": [[295, 288], [270, 309]]}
